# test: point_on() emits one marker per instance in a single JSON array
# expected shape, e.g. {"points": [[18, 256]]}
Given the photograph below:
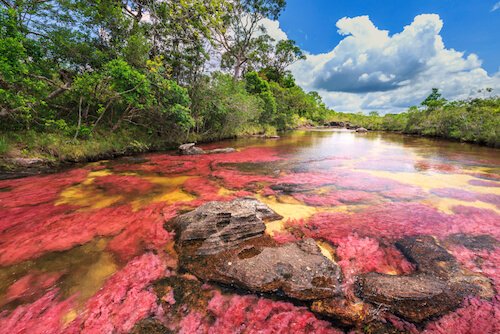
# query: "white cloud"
{"points": [[496, 6], [372, 70]]}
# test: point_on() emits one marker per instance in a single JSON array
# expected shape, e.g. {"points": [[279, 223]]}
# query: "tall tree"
{"points": [[243, 39]]}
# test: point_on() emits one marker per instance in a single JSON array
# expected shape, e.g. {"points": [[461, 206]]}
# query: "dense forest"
{"points": [[80, 78]]}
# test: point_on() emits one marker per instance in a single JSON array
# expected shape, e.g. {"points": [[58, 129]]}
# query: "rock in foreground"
{"points": [[299, 270], [225, 242], [415, 298], [438, 286]]}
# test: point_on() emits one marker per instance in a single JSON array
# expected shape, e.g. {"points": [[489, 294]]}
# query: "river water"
{"points": [[80, 249]]}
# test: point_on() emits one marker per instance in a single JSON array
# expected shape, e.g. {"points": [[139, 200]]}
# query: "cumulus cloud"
{"points": [[373, 70]]}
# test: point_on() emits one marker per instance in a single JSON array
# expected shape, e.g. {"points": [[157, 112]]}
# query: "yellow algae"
{"points": [[431, 180], [169, 182], [275, 226], [225, 192], [99, 173], [446, 205], [327, 250], [69, 317], [293, 210], [87, 197], [93, 278]]}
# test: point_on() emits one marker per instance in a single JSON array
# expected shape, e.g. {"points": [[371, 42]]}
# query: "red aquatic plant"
{"points": [[142, 234], [476, 316], [250, 314], [30, 286], [44, 316], [465, 195], [335, 197], [485, 262], [124, 300], [31, 239], [35, 190], [404, 193], [395, 220], [357, 255], [123, 184]]}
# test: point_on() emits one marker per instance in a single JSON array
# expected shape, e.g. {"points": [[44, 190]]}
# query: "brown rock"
{"points": [[415, 297], [223, 225], [190, 149], [299, 270], [429, 257], [473, 242], [347, 312]]}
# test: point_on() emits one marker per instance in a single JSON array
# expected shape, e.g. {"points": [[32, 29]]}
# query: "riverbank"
{"points": [[30, 152]]}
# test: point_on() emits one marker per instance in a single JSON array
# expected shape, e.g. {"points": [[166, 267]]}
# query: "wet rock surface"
{"points": [[225, 242], [438, 286], [413, 297], [473, 242], [223, 225], [299, 270]]}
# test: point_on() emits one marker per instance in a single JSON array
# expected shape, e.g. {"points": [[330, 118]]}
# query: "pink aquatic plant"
{"points": [[476, 316], [43, 316], [123, 184], [357, 255], [30, 286], [250, 314], [124, 300]]}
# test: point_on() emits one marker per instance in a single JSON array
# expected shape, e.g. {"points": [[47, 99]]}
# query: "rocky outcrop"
{"points": [[224, 242], [220, 226], [473, 242], [191, 149], [438, 285], [343, 310], [415, 298], [299, 270]]}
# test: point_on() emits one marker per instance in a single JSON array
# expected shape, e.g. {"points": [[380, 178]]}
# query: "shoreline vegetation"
{"points": [[82, 81]]}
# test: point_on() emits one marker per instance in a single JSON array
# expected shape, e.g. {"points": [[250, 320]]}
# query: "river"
{"points": [[80, 249]]}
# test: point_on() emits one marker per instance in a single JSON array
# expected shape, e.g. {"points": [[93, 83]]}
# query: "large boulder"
{"points": [[225, 242], [415, 297], [362, 130], [221, 226], [438, 285], [299, 270]]}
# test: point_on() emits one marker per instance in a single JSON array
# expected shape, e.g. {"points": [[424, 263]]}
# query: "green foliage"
{"points": [[223, 107], [474, 120]]}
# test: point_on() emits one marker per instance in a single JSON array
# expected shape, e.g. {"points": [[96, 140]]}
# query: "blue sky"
{"points": [[389, 54], [469, 25]]}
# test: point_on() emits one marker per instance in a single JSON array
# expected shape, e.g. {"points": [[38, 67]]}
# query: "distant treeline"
{"points": [[474, 120]]}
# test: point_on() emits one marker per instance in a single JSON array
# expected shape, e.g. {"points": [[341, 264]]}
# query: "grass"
{"points": [[57, 147], [4, 145]]}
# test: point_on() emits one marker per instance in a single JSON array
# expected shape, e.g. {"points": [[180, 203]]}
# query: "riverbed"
{"points": [[81, 250]]}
